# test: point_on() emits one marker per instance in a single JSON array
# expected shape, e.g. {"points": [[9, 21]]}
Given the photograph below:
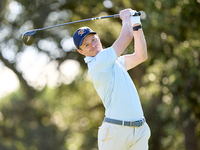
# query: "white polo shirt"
{"points": [[114, 86]]}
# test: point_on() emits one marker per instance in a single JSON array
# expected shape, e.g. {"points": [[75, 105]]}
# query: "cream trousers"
{"points": [[117, 137]]}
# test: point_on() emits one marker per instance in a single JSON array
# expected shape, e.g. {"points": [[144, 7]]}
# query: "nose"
{"points": [[93, 44]]}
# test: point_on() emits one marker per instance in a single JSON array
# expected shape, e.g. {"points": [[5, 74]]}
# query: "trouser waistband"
{"points": [[137, 123]]}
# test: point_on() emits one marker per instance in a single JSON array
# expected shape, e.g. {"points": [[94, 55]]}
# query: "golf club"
{"points": [[29, 36]]}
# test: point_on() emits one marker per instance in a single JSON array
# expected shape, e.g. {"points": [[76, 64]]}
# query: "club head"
{"points": [[29, 37]]}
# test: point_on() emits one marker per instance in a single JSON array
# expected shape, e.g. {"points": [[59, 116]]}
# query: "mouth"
{"points": [[93, 49]]}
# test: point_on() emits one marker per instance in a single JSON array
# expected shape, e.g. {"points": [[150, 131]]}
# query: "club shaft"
{"points": [[111, 16], [96, 18]]}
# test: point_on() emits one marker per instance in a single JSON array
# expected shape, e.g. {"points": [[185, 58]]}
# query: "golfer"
{"points": [[124, 126]]}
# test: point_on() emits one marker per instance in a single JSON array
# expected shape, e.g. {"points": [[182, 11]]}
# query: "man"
{"points": [[124, 126]]}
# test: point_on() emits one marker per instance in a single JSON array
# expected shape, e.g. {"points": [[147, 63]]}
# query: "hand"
{"points": [[134, 19], [125, 13]]}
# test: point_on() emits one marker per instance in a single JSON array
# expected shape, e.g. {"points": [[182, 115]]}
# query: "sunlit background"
{"points": [[35, 66]]}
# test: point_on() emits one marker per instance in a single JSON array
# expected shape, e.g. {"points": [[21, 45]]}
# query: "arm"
{"points": [[126, 34], [140, 54]]}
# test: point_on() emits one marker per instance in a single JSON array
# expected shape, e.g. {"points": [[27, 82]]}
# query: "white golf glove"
{"points": [[134, 19]]}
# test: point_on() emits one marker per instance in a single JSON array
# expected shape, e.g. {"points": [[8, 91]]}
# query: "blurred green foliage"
{"points": [[67, 116]]}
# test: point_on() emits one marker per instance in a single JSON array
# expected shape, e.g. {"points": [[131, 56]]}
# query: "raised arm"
{"points": [[126, 34], [140, 54]]}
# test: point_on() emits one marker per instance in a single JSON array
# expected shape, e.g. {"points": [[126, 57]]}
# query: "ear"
{"points": [[80, 51]]}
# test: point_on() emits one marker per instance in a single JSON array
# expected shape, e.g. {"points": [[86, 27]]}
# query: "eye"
{"points": [[93, 39]]}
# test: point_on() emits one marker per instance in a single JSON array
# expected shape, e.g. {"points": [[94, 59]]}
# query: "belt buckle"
{"points": [[131, 123], [122, 123]]}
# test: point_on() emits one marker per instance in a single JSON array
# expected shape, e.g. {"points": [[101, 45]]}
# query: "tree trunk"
{"points": [[188, 128]]}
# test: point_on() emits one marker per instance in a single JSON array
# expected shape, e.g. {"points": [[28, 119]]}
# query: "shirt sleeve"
{"points": [[106, 58], [103, 60], [121, 60]]}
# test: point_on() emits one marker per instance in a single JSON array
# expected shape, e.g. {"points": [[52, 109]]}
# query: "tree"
{"points": [[172, 78]]}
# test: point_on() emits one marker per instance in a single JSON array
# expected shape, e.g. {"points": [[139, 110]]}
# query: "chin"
{"points": [[94, 54]]}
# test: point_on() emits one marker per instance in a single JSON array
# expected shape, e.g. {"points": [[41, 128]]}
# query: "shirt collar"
{"points": [[88, 59]]}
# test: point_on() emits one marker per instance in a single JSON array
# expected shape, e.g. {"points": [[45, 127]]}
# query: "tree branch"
{"points": [[28, 90]]}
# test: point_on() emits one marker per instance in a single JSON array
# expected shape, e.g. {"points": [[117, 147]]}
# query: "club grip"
{"points": [[136, 14]]}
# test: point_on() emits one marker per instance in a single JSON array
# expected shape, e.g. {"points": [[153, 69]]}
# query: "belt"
{"points": [[126, 123]]}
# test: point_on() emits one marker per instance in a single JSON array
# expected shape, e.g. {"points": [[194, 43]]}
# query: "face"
{"points": [[91, 45]]}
